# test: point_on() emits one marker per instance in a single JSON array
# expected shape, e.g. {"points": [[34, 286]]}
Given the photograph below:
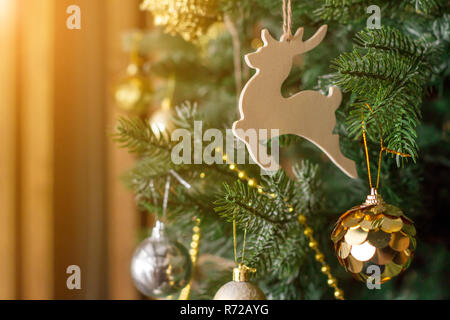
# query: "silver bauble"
{"points": [[160, 266], [240, 288]]}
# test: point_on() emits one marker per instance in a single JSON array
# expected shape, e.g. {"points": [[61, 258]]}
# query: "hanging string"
{"points": [[235, 242], [166, 197], [243, 245], [287, 19], [382, 148], [195, 242], [366, 151], [183, 182], [234, 238], [153, 192]]}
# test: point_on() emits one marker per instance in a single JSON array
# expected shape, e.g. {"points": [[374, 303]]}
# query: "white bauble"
{"points": [[239, 290]]}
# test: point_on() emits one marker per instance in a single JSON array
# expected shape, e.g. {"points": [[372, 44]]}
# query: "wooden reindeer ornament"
{"points": [[308, 114]]}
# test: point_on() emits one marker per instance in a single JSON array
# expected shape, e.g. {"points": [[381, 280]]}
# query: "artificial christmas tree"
{"points": [[400, 70]]}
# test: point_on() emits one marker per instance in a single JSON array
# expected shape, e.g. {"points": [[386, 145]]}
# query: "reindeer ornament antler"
{"points": [[308, 114]]}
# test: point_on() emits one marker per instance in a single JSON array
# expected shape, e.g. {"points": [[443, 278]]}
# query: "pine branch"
{"points": [[343, 10], [309, 190], [271, 217], [389, 39], [389, 71], [346, 11], [428, 7], [138, 137]]}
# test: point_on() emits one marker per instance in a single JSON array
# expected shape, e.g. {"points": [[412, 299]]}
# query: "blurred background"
{"points": [[61, 199]]}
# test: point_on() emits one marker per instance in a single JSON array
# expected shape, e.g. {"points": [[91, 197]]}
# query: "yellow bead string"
{"points": [[332, 281], [193, 252], [313, 244]]}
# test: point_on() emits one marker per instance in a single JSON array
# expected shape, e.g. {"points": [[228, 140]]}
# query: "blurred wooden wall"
{"points": [[61, 199]]}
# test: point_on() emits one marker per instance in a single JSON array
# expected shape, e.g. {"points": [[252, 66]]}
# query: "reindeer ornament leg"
{"points": [[308, 114], [256, 142]]}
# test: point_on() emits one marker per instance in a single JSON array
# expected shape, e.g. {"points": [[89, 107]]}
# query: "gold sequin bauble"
{"points": [[374, 234], [188, 18], [240, 288], [133, 94]]}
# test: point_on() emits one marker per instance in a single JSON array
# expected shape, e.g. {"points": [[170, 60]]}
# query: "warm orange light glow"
{"points": [[5, 7]]}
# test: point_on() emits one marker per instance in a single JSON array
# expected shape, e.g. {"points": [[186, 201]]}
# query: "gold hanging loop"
{"points": [[382, 148]]}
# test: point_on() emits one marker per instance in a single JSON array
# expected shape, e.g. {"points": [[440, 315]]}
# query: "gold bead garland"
{"points": [[193, 251], [308, 232], [332, 282]]}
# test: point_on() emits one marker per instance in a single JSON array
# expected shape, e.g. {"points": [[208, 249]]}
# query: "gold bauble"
{"points": [[374, 233], [133, 94], [188, 18], [160, 120], [240, 288]]}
